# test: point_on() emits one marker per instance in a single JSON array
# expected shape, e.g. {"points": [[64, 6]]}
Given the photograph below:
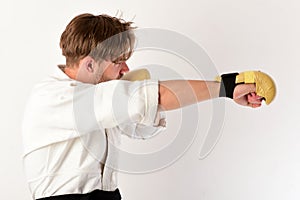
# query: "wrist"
{"points": [[227, 85]]}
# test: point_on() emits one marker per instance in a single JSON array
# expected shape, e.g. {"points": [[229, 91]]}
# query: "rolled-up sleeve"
{"points": [[120, 102]]}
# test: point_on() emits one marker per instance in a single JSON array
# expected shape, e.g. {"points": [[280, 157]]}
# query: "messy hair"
{"points": [[100, 36]]}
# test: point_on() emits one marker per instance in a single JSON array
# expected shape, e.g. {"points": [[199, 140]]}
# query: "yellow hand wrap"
{"points": [[265, 86]]}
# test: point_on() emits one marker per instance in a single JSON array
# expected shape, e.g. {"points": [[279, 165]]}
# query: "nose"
{"points": [[124, 68]]}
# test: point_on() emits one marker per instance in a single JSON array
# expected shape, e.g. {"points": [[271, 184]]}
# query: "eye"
{"points": [[117, 64], [121, 59]]}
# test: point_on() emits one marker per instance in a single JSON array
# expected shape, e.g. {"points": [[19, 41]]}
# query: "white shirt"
{"points": [[70, 130]]}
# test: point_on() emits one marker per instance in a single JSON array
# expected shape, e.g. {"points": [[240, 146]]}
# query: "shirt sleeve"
{"points": [[141, 131], [120, 102]]}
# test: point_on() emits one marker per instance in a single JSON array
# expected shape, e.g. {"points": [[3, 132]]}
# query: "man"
{"points": [[70, 157]]}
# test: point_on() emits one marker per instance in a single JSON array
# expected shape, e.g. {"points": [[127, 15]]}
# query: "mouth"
{"points": [[121, 75]]}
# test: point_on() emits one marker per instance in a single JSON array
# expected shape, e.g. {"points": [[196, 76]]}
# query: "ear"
{"points": [[88, 64]]}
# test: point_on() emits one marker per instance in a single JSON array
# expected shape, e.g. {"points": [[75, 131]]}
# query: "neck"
{"points": [[70, 71]]}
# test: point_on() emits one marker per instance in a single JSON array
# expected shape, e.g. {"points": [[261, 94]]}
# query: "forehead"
{"points": [[117, 47]]}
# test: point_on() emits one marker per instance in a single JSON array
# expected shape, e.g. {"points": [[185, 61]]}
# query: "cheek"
{"points": [[111, 73]]}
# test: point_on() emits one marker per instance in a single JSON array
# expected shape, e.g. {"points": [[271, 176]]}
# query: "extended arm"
{"points": [[247, 89], [179, 93]]}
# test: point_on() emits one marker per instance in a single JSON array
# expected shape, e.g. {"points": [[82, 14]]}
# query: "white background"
{"points": [[257, 156]]}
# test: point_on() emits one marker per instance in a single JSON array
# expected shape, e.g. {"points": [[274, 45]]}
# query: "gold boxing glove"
{"points": [[265, 86], [136, 75]]}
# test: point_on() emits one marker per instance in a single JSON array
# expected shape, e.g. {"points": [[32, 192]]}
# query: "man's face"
{"points": [[109, 70]]}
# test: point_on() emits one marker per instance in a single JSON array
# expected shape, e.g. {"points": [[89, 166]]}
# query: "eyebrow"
{"points": [[122, 58]]}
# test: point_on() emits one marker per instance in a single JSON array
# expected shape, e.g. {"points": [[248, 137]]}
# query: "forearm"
{"points": [[175, 94]]}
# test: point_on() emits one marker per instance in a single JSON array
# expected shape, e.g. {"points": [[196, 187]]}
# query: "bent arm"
{"points": [[175, 94]]}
